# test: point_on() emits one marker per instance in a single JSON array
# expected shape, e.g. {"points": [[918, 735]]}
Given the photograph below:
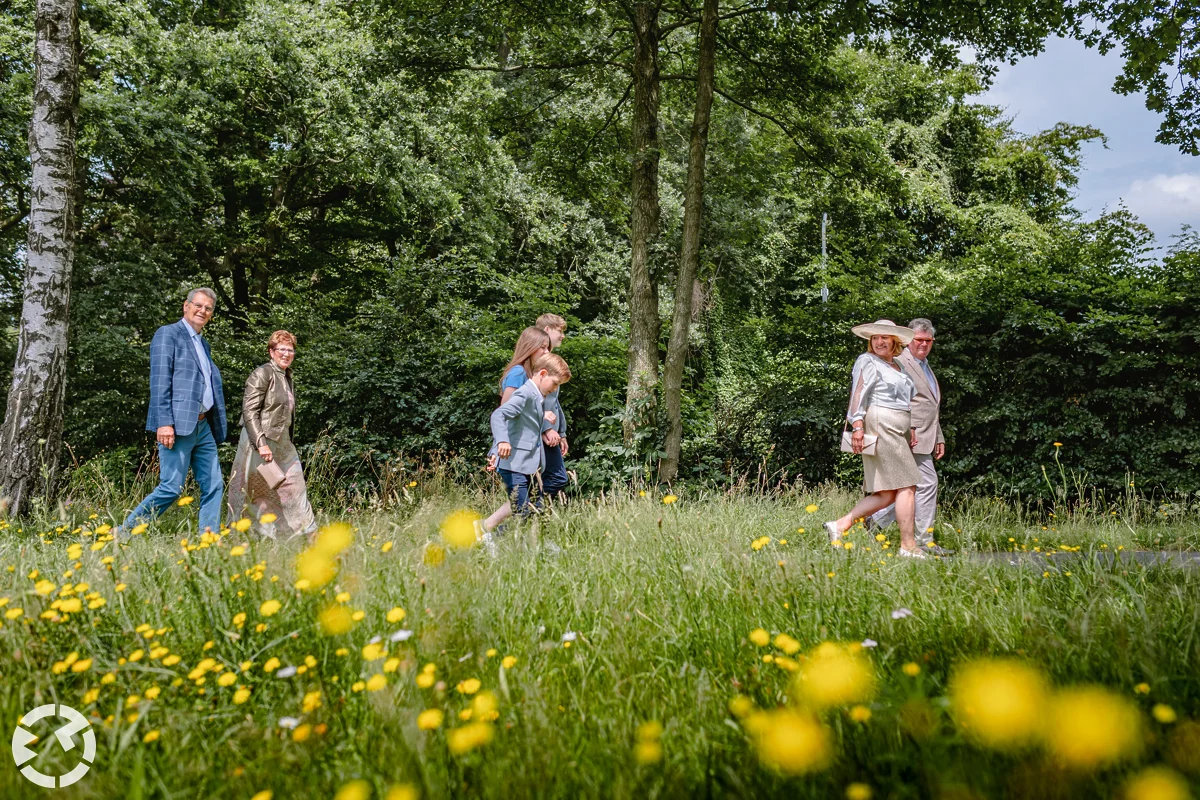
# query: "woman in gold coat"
{"points": [[268, 414]]}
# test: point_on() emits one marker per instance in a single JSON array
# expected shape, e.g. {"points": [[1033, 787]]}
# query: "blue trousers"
{"points": [[554, 473], [518, 485], [196, 451]]}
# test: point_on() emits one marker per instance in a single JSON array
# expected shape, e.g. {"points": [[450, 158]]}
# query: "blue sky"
{"points": [[1070, 83]]}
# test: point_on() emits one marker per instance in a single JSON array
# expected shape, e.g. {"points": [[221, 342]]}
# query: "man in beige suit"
{"points": [[931, 445]]}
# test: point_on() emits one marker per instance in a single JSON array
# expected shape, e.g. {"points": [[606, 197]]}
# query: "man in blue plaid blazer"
{"points": [[187, 414]]}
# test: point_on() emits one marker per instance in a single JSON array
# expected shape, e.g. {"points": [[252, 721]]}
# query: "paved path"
{"points": [[1104, 558]]}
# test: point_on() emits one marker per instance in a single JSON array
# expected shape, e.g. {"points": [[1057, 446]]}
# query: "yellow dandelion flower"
{"points": [[265, 794], [373, 651], [311, 702], [911, 669], [186, 501], [386, 547], [468, 737], [508, 662], [227, 679], [649, 752], [741, 706], [434, 555], [333, 539], [812, 508], [787, 644], [1161, 711], [271, 665], [270, 608], [789, 742], [425, 680], [760, 637], [336, 620], [152, 693], [354, 790], [268, 518], [1142, 688], [860, 713], [403, 791], [858, 791], [302, 732], [395, 615], [998, 702], [1157, 783], [458, 529], [242, 525], [834, 675], [376, 682], [669, 499], [13, 613], [469, 686], [1088, 727], [151, 736], [82, 665], [430, 719], [315, 568]]}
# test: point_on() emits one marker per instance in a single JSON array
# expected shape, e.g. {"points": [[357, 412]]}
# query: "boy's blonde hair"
{"points": [[551, 321], [554, 365]]}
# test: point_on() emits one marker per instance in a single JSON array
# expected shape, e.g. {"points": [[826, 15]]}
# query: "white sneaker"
{"points": [[831, 529], [913, 554], [489, 544]]}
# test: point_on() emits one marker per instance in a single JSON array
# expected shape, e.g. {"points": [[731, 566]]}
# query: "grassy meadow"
{"points": [[713, 646]]}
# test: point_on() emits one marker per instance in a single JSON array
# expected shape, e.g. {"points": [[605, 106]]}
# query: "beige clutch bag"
{"points": [[270, 472], [869, 442]]}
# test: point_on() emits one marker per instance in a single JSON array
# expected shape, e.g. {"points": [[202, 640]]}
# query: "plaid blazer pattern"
{"points": [[177, 383]]}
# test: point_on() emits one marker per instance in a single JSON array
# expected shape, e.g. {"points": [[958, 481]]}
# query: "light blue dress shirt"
{"points": [[205, 366], [933, 385]]}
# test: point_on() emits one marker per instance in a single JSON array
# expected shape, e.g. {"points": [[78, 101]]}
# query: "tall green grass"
{"points": [[660, 598]]}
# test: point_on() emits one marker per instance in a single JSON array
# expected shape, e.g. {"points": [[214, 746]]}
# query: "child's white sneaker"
{"points": [[831, 529]]}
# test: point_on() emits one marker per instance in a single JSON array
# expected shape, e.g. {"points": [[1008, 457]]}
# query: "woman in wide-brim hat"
{"points": [[880, 401]]}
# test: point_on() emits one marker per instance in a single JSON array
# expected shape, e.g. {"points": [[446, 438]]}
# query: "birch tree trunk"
{"points": [[32, 433], [689, 256], [644, 212]]}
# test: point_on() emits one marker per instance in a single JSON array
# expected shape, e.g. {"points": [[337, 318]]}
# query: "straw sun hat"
{"points": [[884, 327]]}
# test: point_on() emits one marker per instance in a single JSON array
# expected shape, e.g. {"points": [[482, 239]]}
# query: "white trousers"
{"points": [[927, 490]]}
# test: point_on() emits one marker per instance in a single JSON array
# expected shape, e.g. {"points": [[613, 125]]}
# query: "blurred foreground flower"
{"points": [[1157, 783], [648, 749], [469, 737], [999, 702], [354, 790], [834, 675], [336, 620], [458, 529], [317, 565], [434, 555], [1089, 727], [790, 742]]}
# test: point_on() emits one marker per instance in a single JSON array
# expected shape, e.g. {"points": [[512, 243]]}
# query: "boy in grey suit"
{"points": [[517, 435]]}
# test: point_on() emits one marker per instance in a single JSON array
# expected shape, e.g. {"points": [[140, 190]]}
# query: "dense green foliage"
{"points": [[338, 170]]}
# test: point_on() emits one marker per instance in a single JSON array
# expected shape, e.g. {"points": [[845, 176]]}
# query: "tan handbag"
{"points": [[270, 472], [869, 442]]}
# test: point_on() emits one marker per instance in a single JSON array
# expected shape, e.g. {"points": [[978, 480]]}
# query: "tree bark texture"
{"points": [[644, 213], [32, 433], [689, 256]]}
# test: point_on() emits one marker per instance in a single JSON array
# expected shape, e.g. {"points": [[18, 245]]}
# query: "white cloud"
{"points": [[1166, 201]]}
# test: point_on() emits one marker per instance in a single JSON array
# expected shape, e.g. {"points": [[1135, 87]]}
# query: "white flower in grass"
{"points": [[400, 636], [375, 640], [570, 636], [286, 672], [901, 613], [289, 722], [869, 643]]}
